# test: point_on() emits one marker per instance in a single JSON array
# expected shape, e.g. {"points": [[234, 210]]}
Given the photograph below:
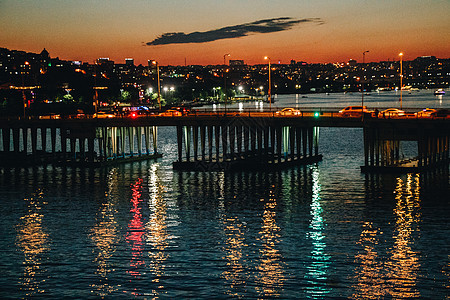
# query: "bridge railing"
{"points": [[332, 112]]}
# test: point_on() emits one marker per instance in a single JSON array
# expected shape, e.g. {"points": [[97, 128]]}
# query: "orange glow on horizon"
{"points": [[335, 40]]}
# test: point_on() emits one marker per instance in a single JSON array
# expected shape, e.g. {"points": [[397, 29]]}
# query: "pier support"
{"points": [[75, 143], [382, 148], [238, 145]]}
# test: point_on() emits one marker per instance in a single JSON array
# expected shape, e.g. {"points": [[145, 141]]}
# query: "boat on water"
{"points": [[439, 92]]}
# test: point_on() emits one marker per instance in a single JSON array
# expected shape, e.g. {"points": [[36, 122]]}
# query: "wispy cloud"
{"points": [[231, 32]]}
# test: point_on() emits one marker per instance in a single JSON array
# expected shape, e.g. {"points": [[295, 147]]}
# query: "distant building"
{"points": [[105, 61], [44, 54], [129, 61], [298, 63], [352, 62], [236, 62]]}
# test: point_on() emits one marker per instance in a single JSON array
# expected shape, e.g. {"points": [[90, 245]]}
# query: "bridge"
{"points": [[221, 140]]}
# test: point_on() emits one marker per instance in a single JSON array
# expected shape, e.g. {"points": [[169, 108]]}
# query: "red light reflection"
{"points": [[136, 230]]}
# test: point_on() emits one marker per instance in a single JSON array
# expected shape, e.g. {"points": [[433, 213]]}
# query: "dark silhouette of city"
{"points": [[39, 84]]}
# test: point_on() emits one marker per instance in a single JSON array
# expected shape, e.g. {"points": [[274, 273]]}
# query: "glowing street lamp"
{"points": [[225, 80], [363, 77], [270, 85], [24, 98], [159, 83], [401, 77]]}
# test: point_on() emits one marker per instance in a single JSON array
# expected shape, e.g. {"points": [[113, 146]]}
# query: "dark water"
{"points": [[143, 230]]}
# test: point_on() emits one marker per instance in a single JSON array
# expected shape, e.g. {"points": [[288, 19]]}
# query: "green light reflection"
{"points": [[318, 269]]}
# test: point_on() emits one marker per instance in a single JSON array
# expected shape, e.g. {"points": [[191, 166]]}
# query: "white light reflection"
{"points": [[221, 187], [104, 235], [33, 241], [318, 268], [157, 236]]}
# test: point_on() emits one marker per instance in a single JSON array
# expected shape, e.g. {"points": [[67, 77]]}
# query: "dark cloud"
{"points": [[230, 32]]}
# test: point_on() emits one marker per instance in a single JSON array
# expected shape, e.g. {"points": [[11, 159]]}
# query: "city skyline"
{"points": [[201, 32]]}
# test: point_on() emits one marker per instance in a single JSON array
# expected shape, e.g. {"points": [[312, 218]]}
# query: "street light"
{"points": [[24, 98], [362, 81], [225, 80], [401, 77], [270, 85], [159, 83]]}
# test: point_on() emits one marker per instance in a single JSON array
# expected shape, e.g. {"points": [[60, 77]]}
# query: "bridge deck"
{"points": [[222, 133]]}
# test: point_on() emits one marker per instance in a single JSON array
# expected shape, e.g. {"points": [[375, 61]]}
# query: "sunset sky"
{"points": [[202, 31]]}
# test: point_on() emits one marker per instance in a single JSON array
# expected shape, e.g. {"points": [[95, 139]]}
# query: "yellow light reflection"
{"points": [[271, 277], [446, 272], [157, 236], [104, 235], [404, 264], [233, 247], [33, 241], [369, 275], [396, 278], [318, 269]]}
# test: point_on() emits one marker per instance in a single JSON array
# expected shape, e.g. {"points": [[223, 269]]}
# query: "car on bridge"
{"points": [[49, 117], [170, 113], [425, 113], [354, 111], [183, 109], [391, 113], [288, 111], [104, 115]]}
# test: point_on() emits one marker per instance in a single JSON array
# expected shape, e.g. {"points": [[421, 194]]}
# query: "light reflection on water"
{"points": [[143, 230], [157, 230], [318, 269], [233, 250], [396, 276], [369, 281], [33, 241], [404, 265], [136, 230], [271, 277], [104, 235]]}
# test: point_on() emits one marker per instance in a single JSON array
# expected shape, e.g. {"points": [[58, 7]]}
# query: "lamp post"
{"points": [[225, 80], [24, 98], [401, 77], [362, 81], [159, 83], [270, 86]]}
